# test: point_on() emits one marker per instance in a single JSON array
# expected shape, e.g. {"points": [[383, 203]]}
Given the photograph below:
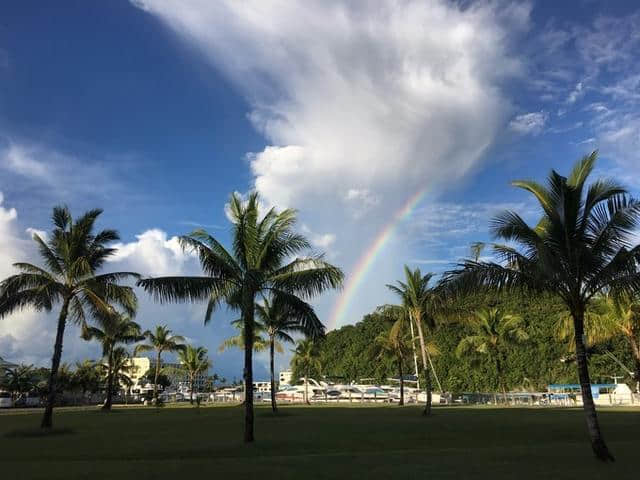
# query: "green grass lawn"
{"points": [[317, 442]]}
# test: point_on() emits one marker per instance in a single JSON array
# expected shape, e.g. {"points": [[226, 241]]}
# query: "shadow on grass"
{"points": [[261, 413], [38, 432]]}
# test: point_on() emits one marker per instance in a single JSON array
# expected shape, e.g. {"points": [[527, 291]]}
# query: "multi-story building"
{"points": [[285, 377], [177, 374], [262, 387]]}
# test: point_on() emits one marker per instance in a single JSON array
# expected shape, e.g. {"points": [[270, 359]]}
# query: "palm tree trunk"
{"points": [[191, 377], [306, 389], [155, 380], [274, 407], [107, 403], [500, 382], [47, 419], [248, 302], [425, 367], [401, 402], [597, 441]]}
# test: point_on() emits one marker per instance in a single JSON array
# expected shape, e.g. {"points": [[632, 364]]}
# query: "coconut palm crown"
{"points": [[72, 256], [260, 262], [581, 247]]}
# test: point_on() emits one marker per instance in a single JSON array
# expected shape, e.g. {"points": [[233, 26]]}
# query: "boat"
{"points": [[297, 392]]}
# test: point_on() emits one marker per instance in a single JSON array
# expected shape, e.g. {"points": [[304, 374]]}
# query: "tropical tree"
{"points": [[494, 332], [19, 380], [419, 304], [195, 361], [260, 263], [395, 343], [622, 317], [161, 340], [72, 256], [306, 359], [116, 371], [113, 329], [277, 321], [580, 248], [86, 377]]}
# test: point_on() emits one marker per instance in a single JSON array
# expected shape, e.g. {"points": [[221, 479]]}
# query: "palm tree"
{"points": [[161, 341], [395, 343], [18, 380], [493, 332], [113, 329], [260, 263], [116, 371], [72, 257], [580, 248], [305, 359], [622, 317], [195, 361], [278, 322], [419, 304], [86, 377]]}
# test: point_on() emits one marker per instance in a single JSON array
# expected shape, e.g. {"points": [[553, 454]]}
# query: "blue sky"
{"points": [[156, 111]]}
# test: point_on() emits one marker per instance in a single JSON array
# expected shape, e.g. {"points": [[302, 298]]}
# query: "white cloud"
{"points": [[360, 102], [18, 159], [358, 93], [577, 93], [153, 254], [528, 123], [320, 240]]}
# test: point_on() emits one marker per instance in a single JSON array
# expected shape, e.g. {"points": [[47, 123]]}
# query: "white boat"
{"points": [[298, 392]]}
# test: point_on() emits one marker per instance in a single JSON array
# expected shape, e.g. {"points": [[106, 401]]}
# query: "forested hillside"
{"points": [[351, 352]]}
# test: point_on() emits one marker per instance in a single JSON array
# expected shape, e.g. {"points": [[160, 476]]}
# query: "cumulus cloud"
{"points": [[362, 103], [528, 123], [153, 254]]}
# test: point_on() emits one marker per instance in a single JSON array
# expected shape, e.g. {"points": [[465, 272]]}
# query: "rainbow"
{"points": [[368, 258]]}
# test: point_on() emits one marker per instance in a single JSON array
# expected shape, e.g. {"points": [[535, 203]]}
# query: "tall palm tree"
{"points": [[161, 340], [395, 343], [278, 322], [419, 303], [305, 359], [260, 263], [195, 361], [494, 332], [72, 256], [581, 247], [112, 330]]}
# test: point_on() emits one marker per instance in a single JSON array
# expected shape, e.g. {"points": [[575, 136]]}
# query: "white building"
{"points": [[262, 387], [176, 372], [285, 377]]}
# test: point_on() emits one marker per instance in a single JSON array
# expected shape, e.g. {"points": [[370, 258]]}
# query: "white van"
{"points": [[5, 400]]}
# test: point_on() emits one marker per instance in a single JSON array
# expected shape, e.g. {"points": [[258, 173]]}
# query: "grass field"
{"points": [[317, 442]]}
